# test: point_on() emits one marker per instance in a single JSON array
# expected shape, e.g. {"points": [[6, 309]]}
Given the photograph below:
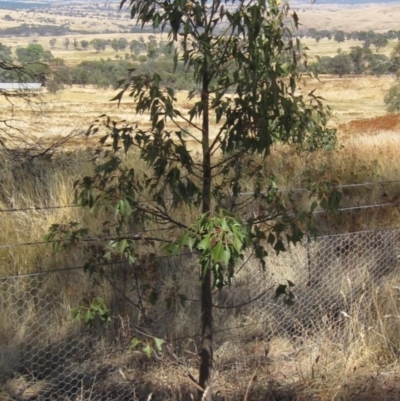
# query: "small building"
{"points": [[20, 86]]}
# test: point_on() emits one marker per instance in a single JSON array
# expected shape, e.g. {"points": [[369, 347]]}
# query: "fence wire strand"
{"points": [[299, 189]]}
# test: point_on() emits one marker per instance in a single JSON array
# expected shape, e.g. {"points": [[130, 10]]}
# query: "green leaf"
{"points": [[217, 252], [76, 314], [237, 244], [159, 342], [205, 243], [148, 350], [89, 316], [226, 256], [134, 343], [190, 242]]}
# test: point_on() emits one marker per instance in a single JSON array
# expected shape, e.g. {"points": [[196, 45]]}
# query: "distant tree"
{"points": [[62, 76], [5, 52], [322, 65], [152, 51], [369, 38], [152, 39], [379, 64], [312, 33], [361, 35], [379, 41], [359, 56], [340, 64], [391, 34], [38, 72], [339, 36], [84, 44], [325, 34], [122, 44], [392, 99], [75, 43], [135, 47], [166, 49], [57, 62], [53, 87], [395, 60], [99, 44], [114, 45], [66, 43], [52, 42], [79, 76], [33, 53]]}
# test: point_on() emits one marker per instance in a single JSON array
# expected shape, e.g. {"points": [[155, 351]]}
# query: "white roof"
{"points": [[20, 86]]}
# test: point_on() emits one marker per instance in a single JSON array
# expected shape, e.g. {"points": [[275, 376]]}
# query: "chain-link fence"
{"points": [[46, 354]]}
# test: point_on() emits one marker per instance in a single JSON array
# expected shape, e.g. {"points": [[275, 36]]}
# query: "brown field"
{"points": [[93, 21], [377, 17], [350, 98]]}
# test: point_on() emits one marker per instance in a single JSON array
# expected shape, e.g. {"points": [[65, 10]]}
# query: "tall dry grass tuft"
{"points": [[47, 186]]}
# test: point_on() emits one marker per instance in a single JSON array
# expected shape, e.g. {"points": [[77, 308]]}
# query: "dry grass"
{"points": [[377, 17], [352, 358], [356, 359], [271, 354]]}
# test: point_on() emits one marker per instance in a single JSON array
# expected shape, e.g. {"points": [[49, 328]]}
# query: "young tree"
{"points": [[245, 77], [75, 43]]}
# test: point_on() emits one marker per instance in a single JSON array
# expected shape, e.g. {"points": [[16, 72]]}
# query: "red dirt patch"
{"points": [[389, 122]]}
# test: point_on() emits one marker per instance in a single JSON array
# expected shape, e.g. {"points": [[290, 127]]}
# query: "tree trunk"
{"points": [[206, 351]]}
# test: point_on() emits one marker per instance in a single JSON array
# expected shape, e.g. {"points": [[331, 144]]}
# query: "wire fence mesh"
{"points": [[46, 354]]}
